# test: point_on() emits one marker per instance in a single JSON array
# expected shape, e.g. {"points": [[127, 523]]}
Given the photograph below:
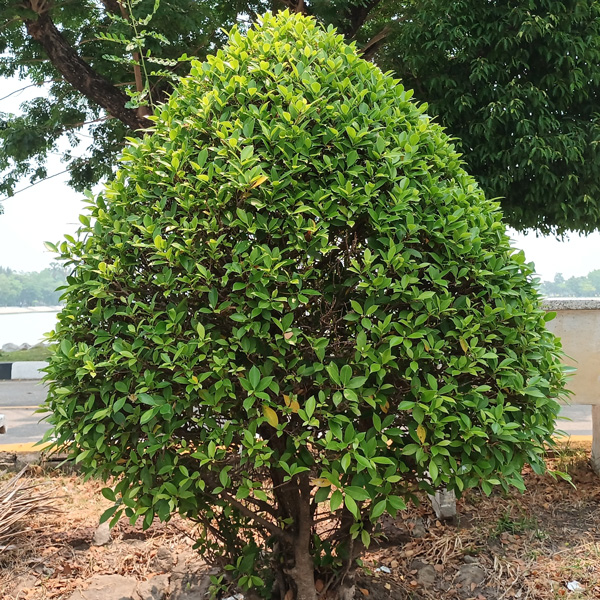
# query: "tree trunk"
{"points": [[76, 71]]}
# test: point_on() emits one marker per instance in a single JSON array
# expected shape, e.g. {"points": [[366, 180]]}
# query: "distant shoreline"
{"points": [[18, 310]]}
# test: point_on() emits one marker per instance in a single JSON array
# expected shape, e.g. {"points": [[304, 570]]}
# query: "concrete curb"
{"points": [[22, 370]]}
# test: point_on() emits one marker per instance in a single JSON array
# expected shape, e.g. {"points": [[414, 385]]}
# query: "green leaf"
{"points": [[357, 493], [336, 500], [352, 506]]}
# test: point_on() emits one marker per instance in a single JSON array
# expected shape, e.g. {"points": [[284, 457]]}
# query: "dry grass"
{"points": [[20, 499]]}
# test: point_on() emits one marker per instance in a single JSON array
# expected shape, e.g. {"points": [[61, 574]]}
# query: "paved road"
{"points": [[19, 400]]}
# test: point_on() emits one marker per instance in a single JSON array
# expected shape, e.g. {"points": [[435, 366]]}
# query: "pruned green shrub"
{"points": [[292, 305]]}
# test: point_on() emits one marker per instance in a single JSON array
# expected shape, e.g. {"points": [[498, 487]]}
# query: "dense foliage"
{"points": [[31, 289], [516, 82], [585, 286], [293, 303]]}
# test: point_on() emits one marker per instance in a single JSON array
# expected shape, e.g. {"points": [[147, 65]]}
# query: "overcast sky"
{"points": [[49, 210]]}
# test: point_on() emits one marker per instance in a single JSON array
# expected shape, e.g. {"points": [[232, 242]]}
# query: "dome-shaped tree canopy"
{"points": [[294, 287]]}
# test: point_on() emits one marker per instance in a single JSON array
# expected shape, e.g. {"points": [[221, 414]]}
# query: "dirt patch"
{"points": [[523, 546]]}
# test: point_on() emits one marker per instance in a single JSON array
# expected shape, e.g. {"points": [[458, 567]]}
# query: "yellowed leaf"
{"points": [[385, 407], [288, 334], [271, 415], [463, 345], [320, 482], [364, 591], [289, 595], [421, 433], [319, 585], [258, 181], [292, 404]]}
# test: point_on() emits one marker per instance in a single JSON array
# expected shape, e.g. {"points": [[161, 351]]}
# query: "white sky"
{"points": [[49, 210]]}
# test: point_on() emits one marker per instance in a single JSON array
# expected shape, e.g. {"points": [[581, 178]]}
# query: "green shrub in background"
{"points": [[293, 304]]}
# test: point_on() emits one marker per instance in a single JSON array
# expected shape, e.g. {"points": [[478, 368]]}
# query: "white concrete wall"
{"points": [[577, 323]]}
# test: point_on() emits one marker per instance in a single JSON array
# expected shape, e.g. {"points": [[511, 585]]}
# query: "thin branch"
{"points": [[36, 183], [26, 87], [276, 531]]}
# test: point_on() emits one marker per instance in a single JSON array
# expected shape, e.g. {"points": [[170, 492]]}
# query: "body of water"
{"points": [[25, 328]]}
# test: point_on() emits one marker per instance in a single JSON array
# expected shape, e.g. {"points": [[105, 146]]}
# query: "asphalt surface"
{"points": [[19, 400]]}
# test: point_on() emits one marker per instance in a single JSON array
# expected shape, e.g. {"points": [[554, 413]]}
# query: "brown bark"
{"points": [[369, 49], [76, 71], [303, 572], [357, 14]]}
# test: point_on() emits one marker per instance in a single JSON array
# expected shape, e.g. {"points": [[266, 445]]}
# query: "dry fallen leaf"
{"points": [[320, 482]]}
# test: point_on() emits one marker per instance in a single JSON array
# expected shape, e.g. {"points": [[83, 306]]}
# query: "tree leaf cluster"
{"points": [[293, 304], [516, 85]]}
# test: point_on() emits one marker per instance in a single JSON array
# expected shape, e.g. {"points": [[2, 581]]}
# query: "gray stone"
{"points": [[163, 561], [469, 574], [10, 348], [155, 588], [426, 575], [190, 586], [471, 560], [102, 535], [23, 459], [444, 504], [108, 587], [418, 531]]}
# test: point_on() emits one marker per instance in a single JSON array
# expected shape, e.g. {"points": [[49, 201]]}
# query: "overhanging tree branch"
{"points": [[76, 71], [371, 47]]}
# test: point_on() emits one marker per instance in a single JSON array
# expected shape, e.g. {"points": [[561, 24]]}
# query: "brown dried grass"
{"points": [[19, 498]]}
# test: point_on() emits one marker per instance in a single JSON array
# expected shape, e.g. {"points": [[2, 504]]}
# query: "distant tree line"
{"points": [[574, 287], [31, 289]]}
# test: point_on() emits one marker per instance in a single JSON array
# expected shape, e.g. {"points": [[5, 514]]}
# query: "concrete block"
{"points": [[28, 370], [444, 504]]}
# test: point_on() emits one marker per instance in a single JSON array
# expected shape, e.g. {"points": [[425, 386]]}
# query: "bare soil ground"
{"points": [[528, 546]]}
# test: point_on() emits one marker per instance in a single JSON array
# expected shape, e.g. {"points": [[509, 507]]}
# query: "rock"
{"points": [[426, 575], [108, 587], [10, 348], [23, 584], [163, 561], [471, 560], [470, 574], [444, 504], [155, 588], [189, 586], [102, 535], [22, 459], [418, 530], [24, 347]]}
